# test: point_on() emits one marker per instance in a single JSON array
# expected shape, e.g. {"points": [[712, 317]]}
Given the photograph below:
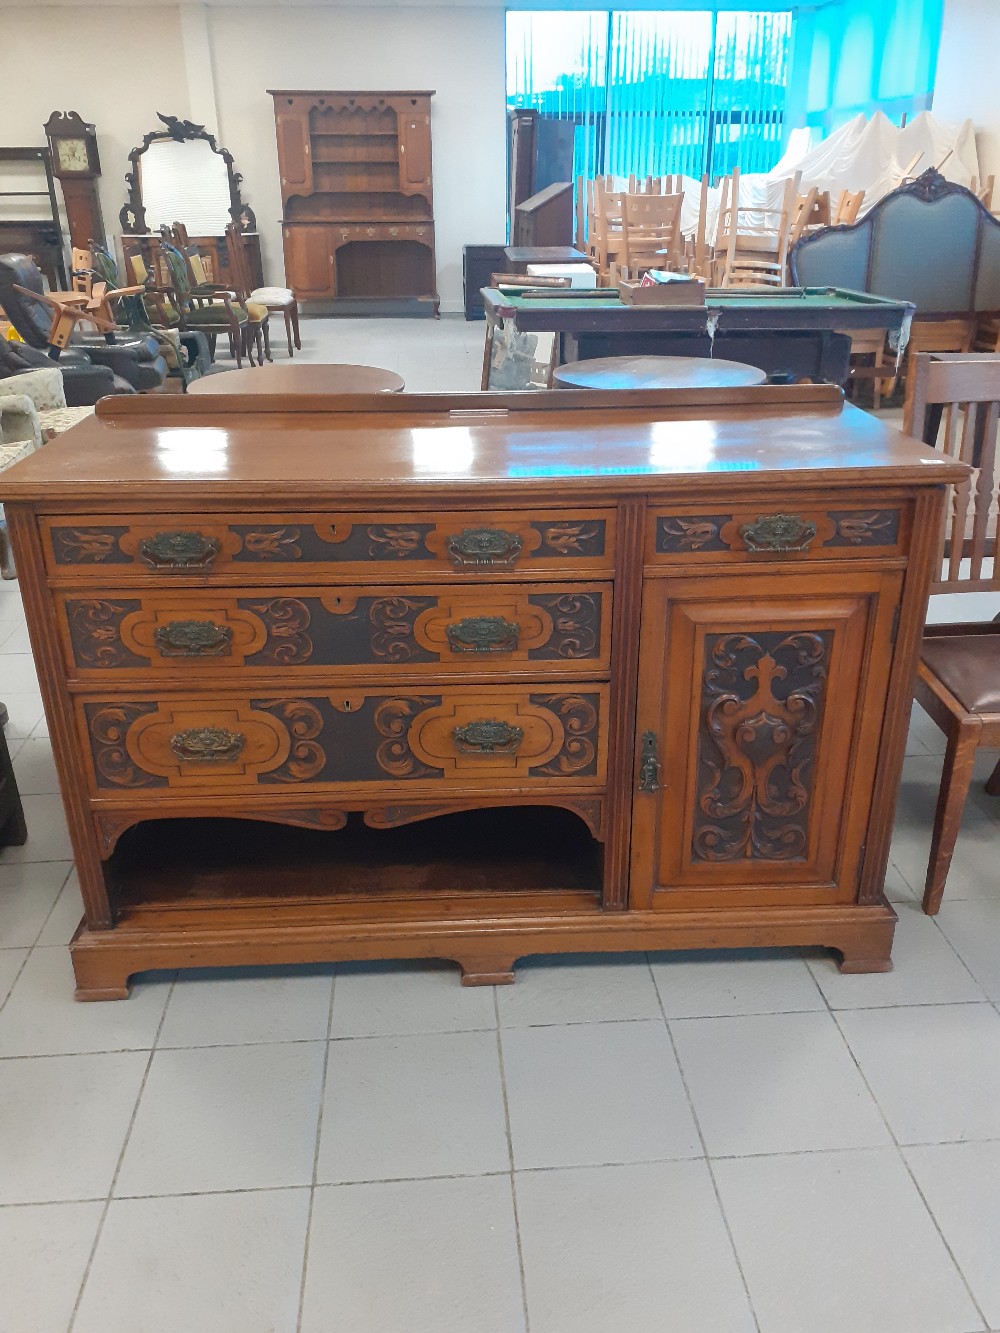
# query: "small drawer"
{"points": [[531, 630], [469, 544], [451, 739], [830, 529]]}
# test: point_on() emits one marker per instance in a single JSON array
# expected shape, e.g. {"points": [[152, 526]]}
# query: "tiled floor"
{"points": [[674, 1144]]}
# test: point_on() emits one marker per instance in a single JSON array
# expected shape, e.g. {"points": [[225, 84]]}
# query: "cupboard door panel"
{"points": [[309, 266], [415, 154], [294, 156], [759, 730]]}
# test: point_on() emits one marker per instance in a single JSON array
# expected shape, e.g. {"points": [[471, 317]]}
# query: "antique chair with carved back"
{"points": [[958, 680]]}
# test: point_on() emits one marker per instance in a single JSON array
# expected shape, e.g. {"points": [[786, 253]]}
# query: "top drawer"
{"points": [[479, 543], [831, 528]]}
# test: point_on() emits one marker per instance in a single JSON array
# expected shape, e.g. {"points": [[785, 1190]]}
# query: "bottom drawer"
{"points": [[496, 737]]}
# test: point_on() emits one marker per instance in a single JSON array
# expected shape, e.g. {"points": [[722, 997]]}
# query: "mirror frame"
{"points": [[132, 218]]}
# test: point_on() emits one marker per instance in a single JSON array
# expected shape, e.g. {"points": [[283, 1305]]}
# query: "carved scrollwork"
{"points": [[273, 544], [573, 538], [579, 717], [392, 620], [879, 528], [193, 638], [95, 629], [109, 727], [83, 546], [696, 533], [576, 619], [306, 757], [393, 718], [762, 698], [286, 620], [390, 541]]}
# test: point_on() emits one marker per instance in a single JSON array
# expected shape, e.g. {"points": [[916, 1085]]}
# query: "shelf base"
{"points": [[485, 948]]}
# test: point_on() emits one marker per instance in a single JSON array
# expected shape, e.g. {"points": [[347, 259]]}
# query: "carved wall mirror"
{"points": [[180, 174]]}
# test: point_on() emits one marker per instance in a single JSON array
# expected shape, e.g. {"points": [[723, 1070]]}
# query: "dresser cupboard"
{"points": [[476, 676]]}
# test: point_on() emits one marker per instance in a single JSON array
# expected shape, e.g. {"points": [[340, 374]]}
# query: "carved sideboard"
{"points": [[478, 676]]}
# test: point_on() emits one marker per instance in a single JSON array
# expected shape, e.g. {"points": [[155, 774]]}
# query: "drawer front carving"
{"points": [[465, 737], [399, 546], [754, 533], [542, 628]]}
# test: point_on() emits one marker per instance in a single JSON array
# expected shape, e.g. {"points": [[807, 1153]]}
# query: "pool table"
{"points": [[790, 332]]}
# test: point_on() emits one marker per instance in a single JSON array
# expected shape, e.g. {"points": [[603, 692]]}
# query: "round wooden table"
{"points": [[301, 379], [655, 372]]}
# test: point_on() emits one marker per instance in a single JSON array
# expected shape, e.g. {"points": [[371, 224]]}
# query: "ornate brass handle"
{"points": [[649, 765], [193, 638], [485, 546], [778, 532], [210, 745], [482, 634], [487, 737], [179, 550]]}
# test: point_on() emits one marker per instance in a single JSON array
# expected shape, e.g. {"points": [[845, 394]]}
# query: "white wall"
{"points": [[968, 80], [119, 66]]}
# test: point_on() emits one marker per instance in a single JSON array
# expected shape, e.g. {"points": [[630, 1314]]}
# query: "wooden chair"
{"points": [[206, 308], [869, 343], [610, 238], [752, 243], [276, 300], [983, 190], [848, 207], [932, 335], [651, 232], [958, 679]]}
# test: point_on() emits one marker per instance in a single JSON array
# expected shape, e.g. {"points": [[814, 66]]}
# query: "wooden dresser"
{"points": [[476, 676]]}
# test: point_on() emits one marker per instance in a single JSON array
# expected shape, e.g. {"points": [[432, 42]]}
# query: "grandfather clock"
{"points": [[73, 145]]}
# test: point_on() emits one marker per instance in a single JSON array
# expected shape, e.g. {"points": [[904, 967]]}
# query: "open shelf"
{"points": [[187, 863]]}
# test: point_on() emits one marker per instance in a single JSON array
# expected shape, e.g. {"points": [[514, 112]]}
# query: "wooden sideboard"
{"points": [[476, 676]]}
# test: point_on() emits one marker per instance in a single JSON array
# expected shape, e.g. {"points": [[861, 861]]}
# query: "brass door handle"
{"points": [[649, 765], [487, 736], [209, 745], [778, 532], [485, 546], [179, 550], [482, 634], [193, 638]]}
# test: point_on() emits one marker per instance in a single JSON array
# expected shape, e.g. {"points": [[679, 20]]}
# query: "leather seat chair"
{"points": [[134, 358], [83, 382]]}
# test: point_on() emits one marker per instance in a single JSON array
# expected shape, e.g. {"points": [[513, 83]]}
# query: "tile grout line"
{"points": [[906, 1167], [118, 1165], [315, 1171], [510, 1158], [704, 1148]]}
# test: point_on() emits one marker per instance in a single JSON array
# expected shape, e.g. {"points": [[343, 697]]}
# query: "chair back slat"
{"points": [[963, 389]]}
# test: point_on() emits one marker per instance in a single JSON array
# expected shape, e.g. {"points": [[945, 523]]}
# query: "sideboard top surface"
{"points": [[359, 446]]}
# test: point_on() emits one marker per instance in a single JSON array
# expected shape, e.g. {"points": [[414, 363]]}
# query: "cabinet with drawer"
{"points": [[571, 691]]}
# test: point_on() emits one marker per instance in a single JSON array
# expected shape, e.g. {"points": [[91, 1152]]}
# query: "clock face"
{"points": [[72, 154]]}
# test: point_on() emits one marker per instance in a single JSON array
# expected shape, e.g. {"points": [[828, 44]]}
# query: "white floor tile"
{"points": [[42, 1018], [226, 1118], [18, 673], [926, 970], [973, 928], [595, 1093], [427, 1105], [13, 636], [215, 1263], [230, 1006], [841, 1243], [959, 1183], [775, 1083], [11, 962], [62, 921], [391, 999], [896, 888], [67, 1117], [929, 735], [27, 893], [574, 989], [973, 872], [741, 981], [935, 1071], [45, 1251], [48, 834], [24, 712], [629, 1248], [420, 1256], [35, 770]]}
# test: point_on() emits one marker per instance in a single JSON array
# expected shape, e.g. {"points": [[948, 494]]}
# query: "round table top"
{"points": [[656, 372], [289, 378]]}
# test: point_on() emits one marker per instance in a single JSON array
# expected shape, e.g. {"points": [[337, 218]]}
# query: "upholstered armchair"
{"points": [[83, 382], [22, 397]]}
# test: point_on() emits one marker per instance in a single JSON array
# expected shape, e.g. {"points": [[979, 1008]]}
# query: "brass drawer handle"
{"points": [[193, 638], [778, 532], [482, 634], [210, 745], [485, 546], [487, 737], [179, 550], [649, 765]]}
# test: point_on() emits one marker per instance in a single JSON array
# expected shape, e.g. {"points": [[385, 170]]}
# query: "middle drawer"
{"points": [[533, 630]]}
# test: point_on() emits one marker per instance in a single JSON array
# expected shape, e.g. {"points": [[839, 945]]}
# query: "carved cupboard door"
{"points": [[309, 262], [294, 155], [415, 154], [761, 700]]}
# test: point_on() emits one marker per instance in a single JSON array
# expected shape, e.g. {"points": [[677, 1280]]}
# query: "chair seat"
{"points": [[969, 666], [273, 296], [213, 314]]}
